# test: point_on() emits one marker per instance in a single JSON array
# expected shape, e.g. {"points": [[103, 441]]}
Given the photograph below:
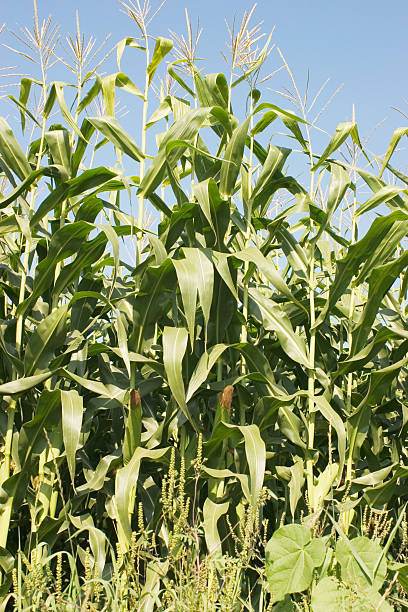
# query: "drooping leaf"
{"points": [[113, 131], [23, 384], [276, 320], [212, 512], [12, 153], [72, 412], [343, 130], [162, 47], [256, 457], [174, 348], [125, 483]]}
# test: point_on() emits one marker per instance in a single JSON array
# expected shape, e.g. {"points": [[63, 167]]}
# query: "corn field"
{"points": [[204, 340]]}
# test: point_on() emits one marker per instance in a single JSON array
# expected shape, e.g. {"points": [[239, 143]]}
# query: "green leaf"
{"points": [[380, 381], [87, 130], [113, 131], [382, 196], [22, 187], [335, 419], [202, 269], [25, 88], [218, 86], [296, 484], [125, 485], [188, 289], [89, 179], [175, 75], [152, 300], [205, 193], [12, 153], [31, 439], [324, 483], [280, 112], [368, 551], [65, 242], [267, 268], [343, 130], [340, 182], [329, 594], [72, 411], [265, 185], [164, 110], [97, 479], [291, 426], [212, 512], [373, 249], [275, 319], [357, 426], [109, 391], [174, 348], [203, 368], [23, 111], [396, 137], [24, 384], [50, 101], [97, 539], [185, 129], [291, 556], [162, 47], [108, 86], [60, 148], [89, 97], [129, 41], [231, 164], [380, 282], [256, 457], [47, 337], [376, 184], [133, 428], [59, 92], [222, 474]]}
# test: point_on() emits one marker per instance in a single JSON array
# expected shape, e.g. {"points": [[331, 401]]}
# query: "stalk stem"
{"points": [[5, 472], [143, 147], [5, 467], [244, 330], [311, 386], [312, 348], [349, 469]]}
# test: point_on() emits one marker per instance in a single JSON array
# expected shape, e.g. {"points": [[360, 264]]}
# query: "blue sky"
{"points": [[361, 44]]}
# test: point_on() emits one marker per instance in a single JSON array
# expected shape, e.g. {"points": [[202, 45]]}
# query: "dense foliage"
{"points": [[219, 424]]}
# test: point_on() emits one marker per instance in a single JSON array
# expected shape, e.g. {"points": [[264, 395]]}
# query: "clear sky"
{"points": [[362, 44]]}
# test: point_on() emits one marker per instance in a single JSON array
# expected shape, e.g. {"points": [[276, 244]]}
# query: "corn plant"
{"points": [[233, 367]]}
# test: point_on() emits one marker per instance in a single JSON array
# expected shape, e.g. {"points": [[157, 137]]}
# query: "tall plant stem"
{"points": [[5, 468], [143, 147], [311, 374], [312, 316], [244, 331], [244, 328], [141, 173], [311, 385], [27, 246], [349, 472], [64, 203], [312, 351], [5, 474]]}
